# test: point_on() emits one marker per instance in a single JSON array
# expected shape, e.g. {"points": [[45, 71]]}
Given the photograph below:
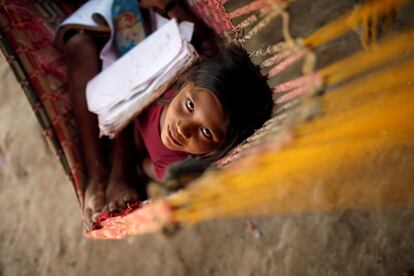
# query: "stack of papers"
{"points": [[123, 90]]}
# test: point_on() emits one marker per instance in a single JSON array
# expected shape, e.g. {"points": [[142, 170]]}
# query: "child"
{"points": [[216, 104]]}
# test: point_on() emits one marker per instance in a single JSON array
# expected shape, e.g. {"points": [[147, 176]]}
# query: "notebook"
{"points": [[123, 90], [94, 16]]}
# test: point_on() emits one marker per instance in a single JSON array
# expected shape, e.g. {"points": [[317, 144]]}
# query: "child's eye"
{"points": [[190, 105], [206, 132]]}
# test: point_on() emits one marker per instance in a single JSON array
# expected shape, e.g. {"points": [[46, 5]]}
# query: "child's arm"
{"points": [[149, 169], [203, 38]]}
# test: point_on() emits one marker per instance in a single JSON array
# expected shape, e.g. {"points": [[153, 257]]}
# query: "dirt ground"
{"points": [[41, 230]]}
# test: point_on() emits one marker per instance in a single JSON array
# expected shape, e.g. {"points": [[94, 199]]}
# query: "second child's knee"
{"points": [[81, 48]]}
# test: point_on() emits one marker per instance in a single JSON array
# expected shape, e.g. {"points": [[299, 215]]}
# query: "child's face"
{"points": [[193, 122]]}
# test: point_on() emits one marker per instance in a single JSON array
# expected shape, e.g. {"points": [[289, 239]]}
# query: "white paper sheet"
{"points": [[85, 16], [136, 68]]}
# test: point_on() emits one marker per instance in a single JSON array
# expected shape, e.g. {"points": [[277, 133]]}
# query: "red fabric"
{"points": [[150, 217], [214, 15], [29, 28], [103, 216], [148, 124]]}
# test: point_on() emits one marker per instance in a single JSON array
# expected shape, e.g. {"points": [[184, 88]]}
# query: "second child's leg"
{"points": [[82, 60]]}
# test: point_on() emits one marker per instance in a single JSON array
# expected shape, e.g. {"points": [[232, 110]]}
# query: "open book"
{"points": [[125, 88]]}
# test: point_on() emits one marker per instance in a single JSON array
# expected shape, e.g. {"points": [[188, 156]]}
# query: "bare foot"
{"points": [[118, 194], [94, 201]]}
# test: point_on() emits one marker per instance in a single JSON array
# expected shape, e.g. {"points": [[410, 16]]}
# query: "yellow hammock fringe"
{"points": [[365, 125], [364, 61], [286, 181], [366, 15]]}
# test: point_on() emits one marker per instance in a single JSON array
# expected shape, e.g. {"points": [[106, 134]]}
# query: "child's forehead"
{"points": [[193, 89], [212, 110], [205, 96]]}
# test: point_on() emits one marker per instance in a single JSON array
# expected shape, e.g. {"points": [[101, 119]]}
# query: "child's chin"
{"points": [[167, 144]]}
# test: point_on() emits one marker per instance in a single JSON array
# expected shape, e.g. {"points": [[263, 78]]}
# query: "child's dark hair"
{"points": [[244, 94]]}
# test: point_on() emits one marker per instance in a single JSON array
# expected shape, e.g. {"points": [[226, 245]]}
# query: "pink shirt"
{"points": [[148, 124]]}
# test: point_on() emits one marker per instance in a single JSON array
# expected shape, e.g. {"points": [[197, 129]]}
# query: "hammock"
{"points": [[359, 114]]}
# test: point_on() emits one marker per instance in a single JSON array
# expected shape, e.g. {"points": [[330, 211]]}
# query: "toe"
{"points": [[105, 209], [87, 219], [128, 198], [112, 206], [121, 202], [131, 198], [97, 204], [95, 217]]}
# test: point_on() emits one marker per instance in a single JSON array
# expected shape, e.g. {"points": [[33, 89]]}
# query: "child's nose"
{"points": [[185, 128]]}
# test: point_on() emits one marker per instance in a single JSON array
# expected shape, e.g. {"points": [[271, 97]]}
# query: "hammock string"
{"points": [[254, 6], [358, 116]]}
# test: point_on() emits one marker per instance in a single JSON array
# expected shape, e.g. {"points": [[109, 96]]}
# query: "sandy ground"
{"points": [[41, 231]]}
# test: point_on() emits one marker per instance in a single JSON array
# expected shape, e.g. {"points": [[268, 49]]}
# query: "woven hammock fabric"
{"points": [[26, 40], [356, 117], [273, 152], [27, 33]]}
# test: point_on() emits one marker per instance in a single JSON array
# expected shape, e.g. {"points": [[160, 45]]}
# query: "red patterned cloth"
{"points": [[28, 29], [26, 39], [149, 218], [214, 15]]}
